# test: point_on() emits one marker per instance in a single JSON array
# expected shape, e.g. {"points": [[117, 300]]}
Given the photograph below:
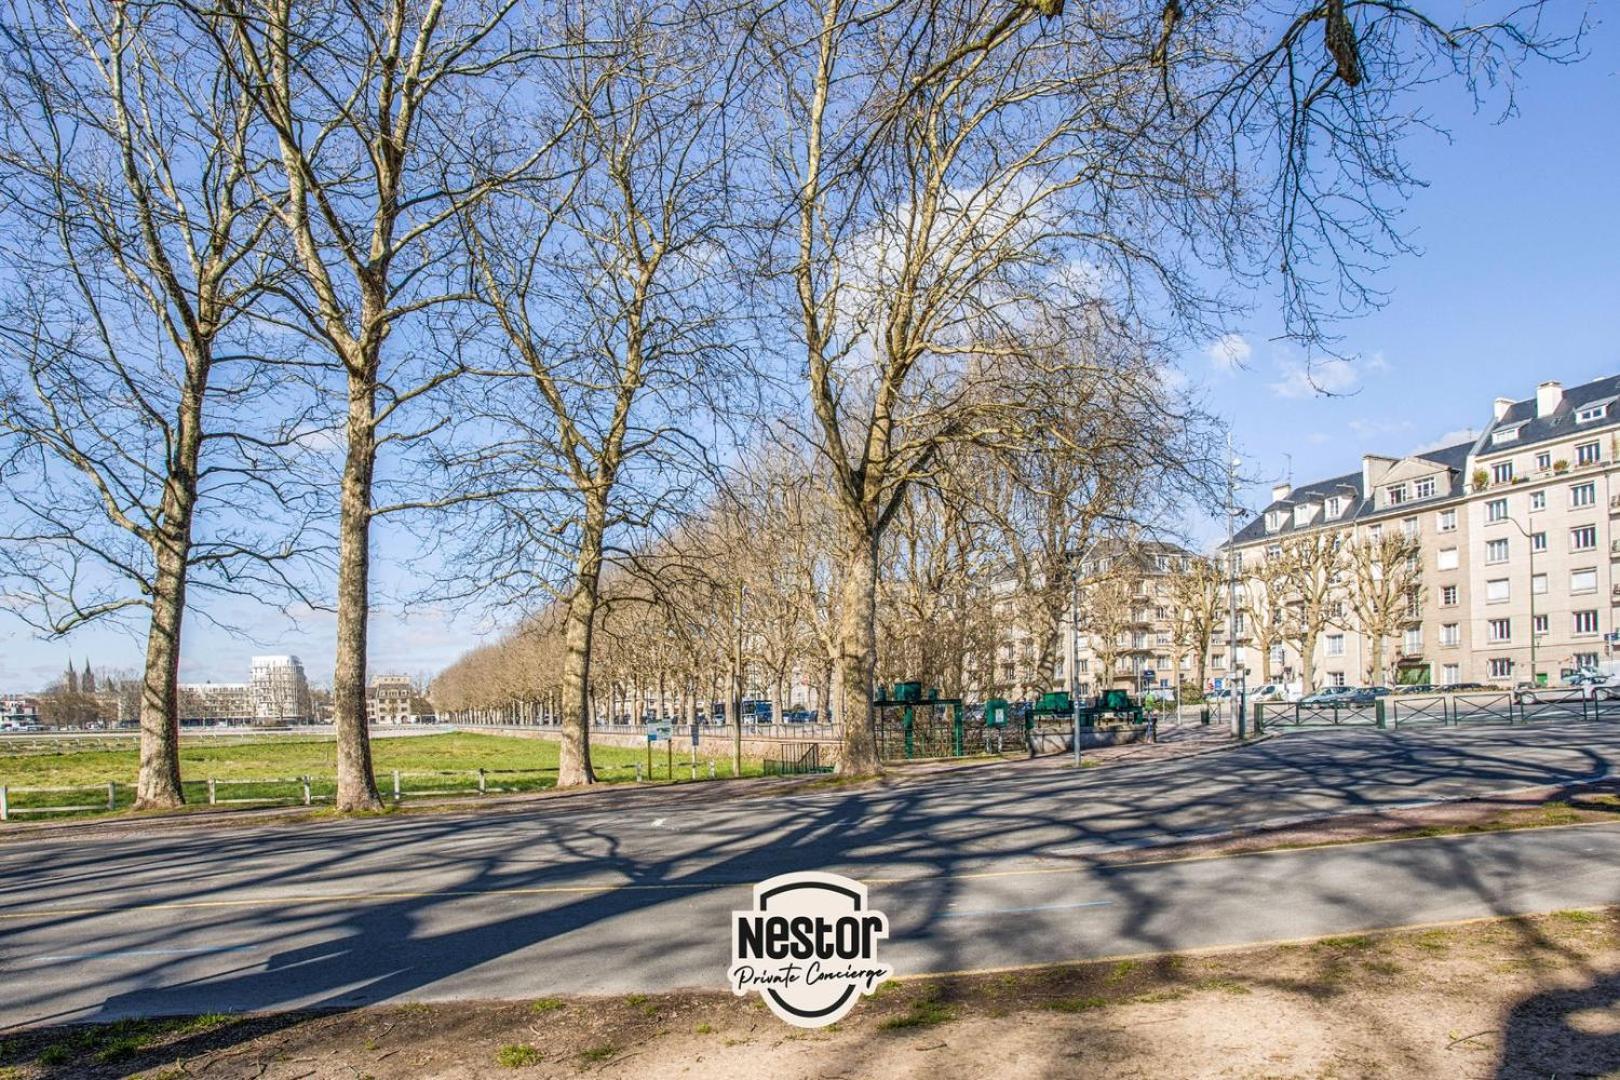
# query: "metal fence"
{"points": [[1443, 710], [796, 759]]}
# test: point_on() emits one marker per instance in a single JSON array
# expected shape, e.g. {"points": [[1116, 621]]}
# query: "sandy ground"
{"points": [[1537, 997]]}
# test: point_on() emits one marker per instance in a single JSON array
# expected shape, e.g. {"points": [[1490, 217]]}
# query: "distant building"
{"points": [[19, 710], [280, 691], [388, 700], [230, 703]]}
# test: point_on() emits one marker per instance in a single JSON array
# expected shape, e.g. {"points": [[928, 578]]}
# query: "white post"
{"points": [[306, 790], [638, 772], [396, 785], [711, 770], [112, 795], [5, 804], [481, 789], [211, 793]]}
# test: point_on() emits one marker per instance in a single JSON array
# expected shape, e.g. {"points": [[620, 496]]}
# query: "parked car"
{"points": [[1365, 695], [1328, 695], [1585, 677]]}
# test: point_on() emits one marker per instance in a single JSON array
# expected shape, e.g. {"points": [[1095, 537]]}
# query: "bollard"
{"points": [[396, 785], [711, 770], [638, 772], [1259, 717], [1203, 716], [112, 795], [1378, 711], [305, 784], [481, 789], [212, 797], [5, 804]]}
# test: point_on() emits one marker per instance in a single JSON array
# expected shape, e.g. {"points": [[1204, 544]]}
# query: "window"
{"points": [[1499, 629], [1274, 520], [1450, 673], [1582, 581], [1506, 435], [1538, 541], [1335, 644], [1496, 550], [1586, 659], [1413, 640], [1496, 510], [1425, 488], [1409, 528], [1583, 494], [1450, 634], [1538, 584], [1543, 461], [1583, 538], [1446, 559], [1501, 667], [1588, 453], [1497, 591], [1591, 412], [1414, 602], [1538, 625], [1502, 472], [1447, 520], [1586, 622], [1335, 678], [1448, 596], [1538, 500], [1334, 505], [1395, 495], [1375, 533]]}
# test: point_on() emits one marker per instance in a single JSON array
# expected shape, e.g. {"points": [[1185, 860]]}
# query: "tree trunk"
{"points": [[158, 782], [857, 660], [1307, 663], [574, 760], [356, 785]]}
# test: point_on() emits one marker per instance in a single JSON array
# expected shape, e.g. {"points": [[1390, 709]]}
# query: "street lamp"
{"points": [[1233, 666]]}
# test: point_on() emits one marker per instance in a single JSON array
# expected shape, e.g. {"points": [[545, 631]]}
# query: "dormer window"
{"points": [[1395, 494], [1597, 410], [1335, 506], [1303, 514], [1274, 520], [1506, 435], [1425, 488]]}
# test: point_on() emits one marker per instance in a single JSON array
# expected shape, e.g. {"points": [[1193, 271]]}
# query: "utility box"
{"points": [[1058, 702], [908, 691], [995, 712]]}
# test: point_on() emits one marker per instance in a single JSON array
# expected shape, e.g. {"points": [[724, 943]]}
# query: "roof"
{"points": [[1347, 486], [1561, 424]]}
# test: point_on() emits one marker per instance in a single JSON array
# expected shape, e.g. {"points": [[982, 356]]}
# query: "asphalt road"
{"points": [[990, 867]]}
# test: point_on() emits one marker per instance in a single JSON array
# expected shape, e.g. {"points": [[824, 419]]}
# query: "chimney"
{"points": [[1549, 395], [1503, 404], [1373, 469], [1281, 492]]}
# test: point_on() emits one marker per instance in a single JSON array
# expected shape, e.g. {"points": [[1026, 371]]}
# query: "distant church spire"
{"points": [[72, 678], [87, 682]]}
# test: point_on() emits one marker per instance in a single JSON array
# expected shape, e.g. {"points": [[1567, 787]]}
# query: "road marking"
{"points": [[657, 822], [1022, 910]]}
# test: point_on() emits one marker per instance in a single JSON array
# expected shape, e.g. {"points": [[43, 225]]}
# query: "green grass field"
{"points": [[428, 764]]}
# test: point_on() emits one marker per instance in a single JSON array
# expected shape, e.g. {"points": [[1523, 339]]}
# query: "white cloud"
{"points": [[1314, 378], [1229, 352], [1450, 438]]}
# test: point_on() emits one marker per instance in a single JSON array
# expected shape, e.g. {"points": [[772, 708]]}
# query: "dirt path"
{"points": [[1515, 998]]}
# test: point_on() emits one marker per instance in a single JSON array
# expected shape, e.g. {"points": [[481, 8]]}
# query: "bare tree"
{"points": [[1197, 592], [1384, 587], [1264, 601], [386, 128], [608, 297], [134, 257], [1310, 574]]}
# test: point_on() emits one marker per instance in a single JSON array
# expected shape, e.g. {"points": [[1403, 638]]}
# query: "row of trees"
{"points": [[527, 275]]}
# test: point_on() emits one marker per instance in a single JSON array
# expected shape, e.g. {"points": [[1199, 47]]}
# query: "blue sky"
{"points": [[1518, 280]]}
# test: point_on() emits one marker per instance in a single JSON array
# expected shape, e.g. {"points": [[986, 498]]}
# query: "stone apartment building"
{"points": [[1515, 536], [388, 700]]}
